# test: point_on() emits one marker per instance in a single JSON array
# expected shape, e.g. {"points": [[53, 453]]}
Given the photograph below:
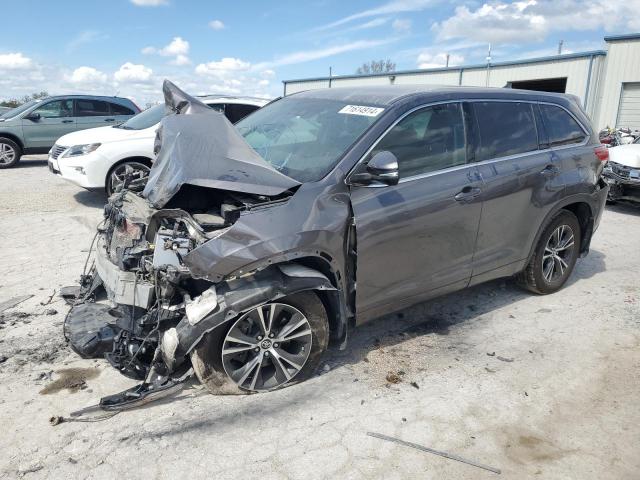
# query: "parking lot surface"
{"points": [[539, 387]]}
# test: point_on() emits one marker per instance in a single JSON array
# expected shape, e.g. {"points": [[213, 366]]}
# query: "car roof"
{"points": [[258, 102], [386, 95]]}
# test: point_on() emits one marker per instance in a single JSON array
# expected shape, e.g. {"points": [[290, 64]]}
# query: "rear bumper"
{"points": [[599, 199]]}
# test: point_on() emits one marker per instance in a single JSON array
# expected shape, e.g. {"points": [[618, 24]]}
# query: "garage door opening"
{"points": [[555, 85]]}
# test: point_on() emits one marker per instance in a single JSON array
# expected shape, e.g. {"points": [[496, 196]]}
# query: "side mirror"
{"points": [[382, 168], [33, 116]]}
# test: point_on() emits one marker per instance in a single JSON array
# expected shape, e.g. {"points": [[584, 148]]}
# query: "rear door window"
{"points": [[236, 112], [561, 127], [427, 140], [56, 109], [506, 128], [91, 108], [117, 109]]}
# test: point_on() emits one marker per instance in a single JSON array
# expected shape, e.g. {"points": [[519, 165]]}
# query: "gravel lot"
{"points": [[540, 387]]}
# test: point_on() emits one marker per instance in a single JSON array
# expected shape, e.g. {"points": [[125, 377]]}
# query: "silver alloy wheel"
{"points": [[134, 170], [266, 347], [7, 153], [557, 253]]}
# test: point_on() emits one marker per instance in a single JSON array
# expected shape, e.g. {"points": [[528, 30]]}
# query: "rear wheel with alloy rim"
{"points": [[9, 153], [266, 348], [132, 172], [555, 255]]}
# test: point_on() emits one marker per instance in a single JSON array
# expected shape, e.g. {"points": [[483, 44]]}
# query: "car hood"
{"points": [[628, 155], [103, 135], [199, 146]]}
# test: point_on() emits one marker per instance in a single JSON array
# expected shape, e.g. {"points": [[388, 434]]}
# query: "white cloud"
{"points": [[14, 61], [438, 60], [394, 6], [308, 55], [177, 46], [223, 66], [85, 37], [401, 25], [149, 3], [87, 76], [181, 60], [217, 24], [132, 73], [533, 20]]}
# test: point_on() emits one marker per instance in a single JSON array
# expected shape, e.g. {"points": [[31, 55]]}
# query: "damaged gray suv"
{"points": [[253, 246]]}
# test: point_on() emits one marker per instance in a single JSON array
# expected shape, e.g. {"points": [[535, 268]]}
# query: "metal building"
{"points": [[606, 81]]}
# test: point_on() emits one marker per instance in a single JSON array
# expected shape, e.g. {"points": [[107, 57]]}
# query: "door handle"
{"points": [[467, 193], [109, 119], [67, 121], [550, 171]]}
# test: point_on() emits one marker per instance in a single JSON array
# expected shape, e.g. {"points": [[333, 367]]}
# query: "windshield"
{"points": [[18, 110], [303, 137], [148, 118]]}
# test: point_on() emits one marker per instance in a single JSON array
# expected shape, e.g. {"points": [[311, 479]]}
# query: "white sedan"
{"points": [[622, 173], [102, 157]]}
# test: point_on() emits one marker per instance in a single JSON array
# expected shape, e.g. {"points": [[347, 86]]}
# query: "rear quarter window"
{"points": [[91, 108], [561, 127], [117, 109], [506, 128]]}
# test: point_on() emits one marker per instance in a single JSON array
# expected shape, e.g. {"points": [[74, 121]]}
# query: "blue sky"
{"points": [[248, 47]]}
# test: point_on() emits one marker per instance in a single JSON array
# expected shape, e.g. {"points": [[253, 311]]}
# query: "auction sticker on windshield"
{"points": [[361, 110]]}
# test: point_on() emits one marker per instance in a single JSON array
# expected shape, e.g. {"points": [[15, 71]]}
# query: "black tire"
{"points": [[535, 277], [136, 163], [10, 153], [206, 358]]}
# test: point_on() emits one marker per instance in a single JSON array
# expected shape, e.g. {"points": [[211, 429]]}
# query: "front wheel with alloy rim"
{"points": [[132, 172], [268, 347], [9, 153], [555, 255]]}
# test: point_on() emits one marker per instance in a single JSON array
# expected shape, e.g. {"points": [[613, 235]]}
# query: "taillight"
{"points": [[602, 153]]}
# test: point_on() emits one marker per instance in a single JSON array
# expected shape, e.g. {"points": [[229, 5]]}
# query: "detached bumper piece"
{"points": [[141, 395]]}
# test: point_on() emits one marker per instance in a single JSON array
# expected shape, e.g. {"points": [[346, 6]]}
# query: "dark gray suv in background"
{"points": [[251, 247]]}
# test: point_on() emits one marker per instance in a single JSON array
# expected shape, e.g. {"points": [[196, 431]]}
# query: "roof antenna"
{"points": [[560, 47], [447, 65]]}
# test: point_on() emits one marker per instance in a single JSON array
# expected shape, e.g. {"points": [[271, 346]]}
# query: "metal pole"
{"points": [[488, 65], [560, 47], [329, 77], [447, 61]]}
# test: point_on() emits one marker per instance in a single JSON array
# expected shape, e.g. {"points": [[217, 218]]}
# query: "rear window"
{"points": [[506, 128], [117, 109], [91, 108], [562, 128]]}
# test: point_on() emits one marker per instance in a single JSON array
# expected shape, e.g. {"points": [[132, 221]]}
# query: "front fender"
{"points": [[237, 296]]}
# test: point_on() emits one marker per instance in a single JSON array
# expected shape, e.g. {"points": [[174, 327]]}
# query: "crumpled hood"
{"points": [[200, 147], [628, 155]]}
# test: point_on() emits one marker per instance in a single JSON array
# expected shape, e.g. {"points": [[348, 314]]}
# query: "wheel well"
{"points": [[582, 211], [145, 160], [13, 138], [330, 299]]}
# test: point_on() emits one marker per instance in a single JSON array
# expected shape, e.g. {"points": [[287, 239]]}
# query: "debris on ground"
{"points": [[504, 359], [48, 300], [3, 359], [492, 354], [393, 377], [50, 311], [415, 385], [435, 452]]}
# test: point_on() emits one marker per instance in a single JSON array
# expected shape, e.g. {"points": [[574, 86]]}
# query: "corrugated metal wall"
{"points": [[622, 65], [602, 87]]}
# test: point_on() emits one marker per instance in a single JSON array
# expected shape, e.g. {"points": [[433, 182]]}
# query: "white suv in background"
{"points": [[102, 157]]}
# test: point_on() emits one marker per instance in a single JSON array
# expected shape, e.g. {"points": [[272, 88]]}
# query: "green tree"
{"points": [[376, 66]]}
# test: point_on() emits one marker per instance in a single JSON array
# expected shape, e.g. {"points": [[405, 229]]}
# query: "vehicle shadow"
{"points": [[627, 208], [32, 163], [91, 198], [439, 315]]}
